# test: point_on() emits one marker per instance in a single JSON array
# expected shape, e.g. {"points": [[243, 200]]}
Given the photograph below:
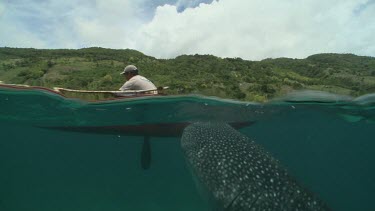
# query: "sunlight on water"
{"points": [[67, 154]]}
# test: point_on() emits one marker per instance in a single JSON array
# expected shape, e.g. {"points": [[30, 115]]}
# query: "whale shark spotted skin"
{"points": [[240, 174]]}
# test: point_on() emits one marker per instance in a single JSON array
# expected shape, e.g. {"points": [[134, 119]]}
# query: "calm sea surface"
{"points": [[326, 142]]}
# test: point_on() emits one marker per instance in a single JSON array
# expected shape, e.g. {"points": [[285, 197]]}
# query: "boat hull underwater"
{"points": [[152, 130], [144, 130]]}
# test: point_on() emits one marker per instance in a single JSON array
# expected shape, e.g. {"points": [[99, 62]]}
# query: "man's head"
{"points": [[130, 71]]}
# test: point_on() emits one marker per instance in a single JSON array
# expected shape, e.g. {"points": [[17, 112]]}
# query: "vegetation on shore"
{"points": [[235, 78]]}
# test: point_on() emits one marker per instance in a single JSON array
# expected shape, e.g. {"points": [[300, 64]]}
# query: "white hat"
{"points": [[130, 69]]}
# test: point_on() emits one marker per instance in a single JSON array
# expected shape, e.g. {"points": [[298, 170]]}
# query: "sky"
{"points": [[249, 29]]}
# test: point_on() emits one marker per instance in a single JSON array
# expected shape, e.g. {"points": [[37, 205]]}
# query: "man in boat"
{"points": [[135, 81]]}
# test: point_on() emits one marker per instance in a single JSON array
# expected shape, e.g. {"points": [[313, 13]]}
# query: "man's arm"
{"points": [[127, 86]]}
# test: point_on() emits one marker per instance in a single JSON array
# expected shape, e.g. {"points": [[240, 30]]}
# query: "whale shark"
{"points": [[239, 174]]}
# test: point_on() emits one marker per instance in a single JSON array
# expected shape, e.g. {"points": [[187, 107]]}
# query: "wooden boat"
{"points": [[89, 95], [107, 95]]}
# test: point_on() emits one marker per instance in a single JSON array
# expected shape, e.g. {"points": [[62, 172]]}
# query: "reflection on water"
{"points": [[325, 142]]}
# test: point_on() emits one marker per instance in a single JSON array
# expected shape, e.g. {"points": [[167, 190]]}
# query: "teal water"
{"points": [[325, 141]]}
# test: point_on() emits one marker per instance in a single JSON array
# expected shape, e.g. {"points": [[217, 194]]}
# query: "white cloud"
{"points": [[258, 29], [183, 4], [111, 23], [66, 24], [13, 34], [358, 34], [251, 29], [2, 9]]}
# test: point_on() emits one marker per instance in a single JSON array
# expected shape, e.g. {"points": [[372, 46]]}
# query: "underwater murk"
{"points": [[66, 154]]}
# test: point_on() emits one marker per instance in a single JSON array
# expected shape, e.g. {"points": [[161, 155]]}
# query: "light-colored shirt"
{"points": [[138, 83]]}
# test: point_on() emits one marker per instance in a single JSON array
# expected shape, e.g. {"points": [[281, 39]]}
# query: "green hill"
{"points": [[99, 68]]}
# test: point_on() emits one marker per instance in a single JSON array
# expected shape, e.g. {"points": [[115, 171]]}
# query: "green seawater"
{"points": [[326, 142]]}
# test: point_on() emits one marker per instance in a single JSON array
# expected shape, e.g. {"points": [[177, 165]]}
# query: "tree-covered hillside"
{"points": [[99, 68]]}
